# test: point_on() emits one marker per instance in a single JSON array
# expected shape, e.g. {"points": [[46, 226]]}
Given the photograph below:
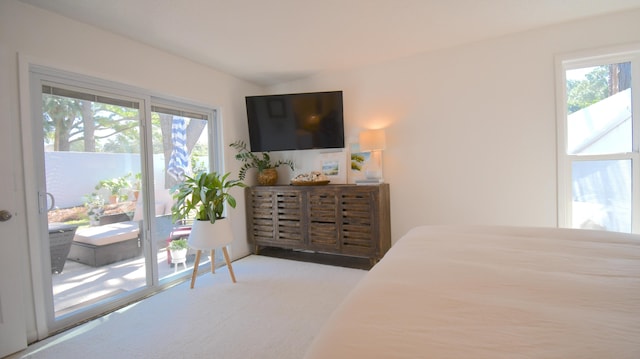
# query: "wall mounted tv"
{"points": [[298, 121]]}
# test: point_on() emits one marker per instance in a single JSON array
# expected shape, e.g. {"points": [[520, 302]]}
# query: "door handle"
{"points": [[53, 201], [43, 202], [5, 215]]}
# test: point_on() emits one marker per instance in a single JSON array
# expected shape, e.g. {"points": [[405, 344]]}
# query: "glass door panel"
{"points": [[92, 167], [180, 147]]}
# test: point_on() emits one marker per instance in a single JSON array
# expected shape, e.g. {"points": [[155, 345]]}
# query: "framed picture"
{"points": [[333, 165], [359, 163]]}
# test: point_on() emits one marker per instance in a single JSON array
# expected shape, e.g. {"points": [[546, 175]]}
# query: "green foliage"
{"points": [[61, 121], [95, 206], [93, 200], [116, 185], [584, 93], [178, 244], [601, 82], [205, 194], [252, 160], [137, 181], [199, 158], [80, 125], [156, 133], [82, 222]]}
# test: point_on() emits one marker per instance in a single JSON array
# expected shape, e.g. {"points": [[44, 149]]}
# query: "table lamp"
{"points": [[374, 141]]}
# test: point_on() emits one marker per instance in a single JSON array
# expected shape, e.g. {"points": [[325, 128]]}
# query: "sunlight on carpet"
{"points": [[273, 311]]}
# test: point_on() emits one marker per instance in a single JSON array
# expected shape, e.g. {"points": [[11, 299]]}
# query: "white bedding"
{"points": [[493, 292]]}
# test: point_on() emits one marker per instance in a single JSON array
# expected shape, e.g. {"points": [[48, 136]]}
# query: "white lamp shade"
{"points": [[372, 140], [206, 236]]}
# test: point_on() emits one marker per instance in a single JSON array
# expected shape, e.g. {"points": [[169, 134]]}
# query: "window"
{"points": [[598, 141]]}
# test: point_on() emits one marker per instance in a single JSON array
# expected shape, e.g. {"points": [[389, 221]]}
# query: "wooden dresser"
{"points": [[347, 220]]}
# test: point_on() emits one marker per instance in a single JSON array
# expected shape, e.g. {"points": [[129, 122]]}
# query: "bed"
{"points": [[493, 292]]}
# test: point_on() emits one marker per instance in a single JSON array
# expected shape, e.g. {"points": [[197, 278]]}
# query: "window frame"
{"points": [[582, 59]]}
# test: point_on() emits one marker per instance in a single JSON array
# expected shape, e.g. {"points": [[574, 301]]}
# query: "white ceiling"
{"points": [[269, 42]]}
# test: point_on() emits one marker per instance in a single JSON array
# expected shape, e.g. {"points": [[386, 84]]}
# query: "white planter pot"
{"points": [[205, 235], [178, 255]]}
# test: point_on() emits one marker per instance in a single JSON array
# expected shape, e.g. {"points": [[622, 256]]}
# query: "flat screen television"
{"points": [[298, 121]]}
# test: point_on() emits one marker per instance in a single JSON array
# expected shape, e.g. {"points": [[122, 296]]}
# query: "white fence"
{"points": [[73, 175]]}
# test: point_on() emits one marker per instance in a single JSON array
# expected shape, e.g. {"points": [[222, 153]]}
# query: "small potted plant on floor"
{"points": [[267, 173], [178, 249], [94, 203]]}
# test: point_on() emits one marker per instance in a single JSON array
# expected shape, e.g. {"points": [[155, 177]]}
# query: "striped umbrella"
{"points": [[179, 161]]}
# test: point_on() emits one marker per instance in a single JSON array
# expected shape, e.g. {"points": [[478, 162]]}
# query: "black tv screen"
{"points": [[295, 121]]}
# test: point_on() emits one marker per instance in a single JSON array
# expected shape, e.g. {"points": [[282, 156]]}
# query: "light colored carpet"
{"points": [[273, 311]]}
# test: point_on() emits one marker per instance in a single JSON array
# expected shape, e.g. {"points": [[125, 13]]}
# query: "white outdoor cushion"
{"points": [[107, 234]]}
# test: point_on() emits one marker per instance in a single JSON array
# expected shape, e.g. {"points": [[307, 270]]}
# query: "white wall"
{"points": [[51, 40], [471, 130]]}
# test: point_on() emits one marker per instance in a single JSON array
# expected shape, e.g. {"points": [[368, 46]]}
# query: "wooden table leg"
{"points": [[213, 261], [228, 260], [195, 268]]}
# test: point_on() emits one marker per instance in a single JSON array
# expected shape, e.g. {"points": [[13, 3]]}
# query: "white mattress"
{"points": [[493, 292]]}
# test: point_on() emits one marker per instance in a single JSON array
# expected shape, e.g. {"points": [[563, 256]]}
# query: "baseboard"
{"points": [[315, 257]]}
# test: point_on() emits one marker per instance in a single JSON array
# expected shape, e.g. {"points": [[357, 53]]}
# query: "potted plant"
{"points": [[136, 185], [178, 249], [115, 186], [202, 197], [95, 208], [267, 174]]}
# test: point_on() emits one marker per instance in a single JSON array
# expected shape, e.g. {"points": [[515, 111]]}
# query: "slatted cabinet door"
{"points": [[324, 220], [358, 207], [274, 217], [262, 219], [289, 218]]}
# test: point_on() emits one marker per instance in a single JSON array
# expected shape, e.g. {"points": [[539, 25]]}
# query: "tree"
{"points": [[82, 125], [584, 93], [73, 124], [62, 117], [602, 82], [89, 127]]}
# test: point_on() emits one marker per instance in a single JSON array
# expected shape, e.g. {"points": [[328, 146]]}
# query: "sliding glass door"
{"points": [[106, 160], [93, 170]]}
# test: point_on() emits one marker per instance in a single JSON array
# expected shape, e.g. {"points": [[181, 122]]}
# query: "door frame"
{"points": [[44, 320], [13, 324]]}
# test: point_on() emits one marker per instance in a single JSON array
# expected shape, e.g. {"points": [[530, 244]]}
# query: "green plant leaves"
{"points": [[203, 196], [252, 160]]}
